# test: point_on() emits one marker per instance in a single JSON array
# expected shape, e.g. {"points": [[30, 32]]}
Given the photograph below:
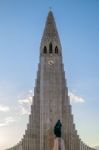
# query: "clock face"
{"points": [[50, 62]]}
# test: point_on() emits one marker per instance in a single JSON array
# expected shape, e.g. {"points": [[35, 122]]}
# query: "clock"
{"points": [[51, 62]]}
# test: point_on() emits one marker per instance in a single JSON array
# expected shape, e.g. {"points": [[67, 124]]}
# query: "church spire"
{"points": [[50, 36], [50, 30]]}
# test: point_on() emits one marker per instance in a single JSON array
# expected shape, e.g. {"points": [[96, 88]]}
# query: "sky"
{"points": [[21, 28]]}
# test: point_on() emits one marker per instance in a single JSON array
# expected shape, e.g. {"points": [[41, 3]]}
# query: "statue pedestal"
{"points": [[59, 144]]}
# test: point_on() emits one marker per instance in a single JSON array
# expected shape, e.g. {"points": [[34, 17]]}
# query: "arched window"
{"points": [[45, 50], [56, 50], [50, 48]]}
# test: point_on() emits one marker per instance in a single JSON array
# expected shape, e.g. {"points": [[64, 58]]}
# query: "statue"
{"points": [[57, 129]]}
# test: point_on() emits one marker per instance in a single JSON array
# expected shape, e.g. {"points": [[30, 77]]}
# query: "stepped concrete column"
{"points": [[59, 144]]}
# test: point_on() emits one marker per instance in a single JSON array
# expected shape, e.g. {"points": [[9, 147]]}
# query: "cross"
{"points": [[50, 8]]}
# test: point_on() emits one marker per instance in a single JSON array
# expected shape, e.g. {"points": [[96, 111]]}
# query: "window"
{"points": [[45, 50], [56, 50], [50, 48]]}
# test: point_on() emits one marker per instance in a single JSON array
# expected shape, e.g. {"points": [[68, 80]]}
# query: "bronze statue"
{"points": [[57, 129]]}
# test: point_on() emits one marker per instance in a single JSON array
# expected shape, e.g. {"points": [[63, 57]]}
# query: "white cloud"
{"points": [[24, 110], [7, 121], [24, 103], [75, 98], [26, 100], [4, 108]]}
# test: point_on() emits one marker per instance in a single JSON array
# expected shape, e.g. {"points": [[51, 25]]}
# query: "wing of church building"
{"points": [[50, 101]]}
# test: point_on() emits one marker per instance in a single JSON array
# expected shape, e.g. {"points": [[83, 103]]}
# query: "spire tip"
{"points": [[50, 8]]}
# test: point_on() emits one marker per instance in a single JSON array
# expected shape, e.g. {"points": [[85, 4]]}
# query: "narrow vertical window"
{"points": [[56, 50], [45, 50], [50, 48]]}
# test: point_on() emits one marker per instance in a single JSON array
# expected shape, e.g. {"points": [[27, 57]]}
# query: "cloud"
{"points": [[7, 121], [75, 98], [4, 108], [26, 100], [24, 110], [24, 103]]}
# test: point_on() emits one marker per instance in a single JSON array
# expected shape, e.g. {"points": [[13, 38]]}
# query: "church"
{"points": [[51, 125]]}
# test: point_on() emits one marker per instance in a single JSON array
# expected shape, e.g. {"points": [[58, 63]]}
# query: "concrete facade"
{"points": [[51, 100]]}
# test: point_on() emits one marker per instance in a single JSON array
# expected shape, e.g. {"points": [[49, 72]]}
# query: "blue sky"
{"points": [[21, 28]]}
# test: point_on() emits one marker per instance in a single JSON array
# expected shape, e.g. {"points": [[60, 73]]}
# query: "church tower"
{"points": [[50, 101], [54, 100]]}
